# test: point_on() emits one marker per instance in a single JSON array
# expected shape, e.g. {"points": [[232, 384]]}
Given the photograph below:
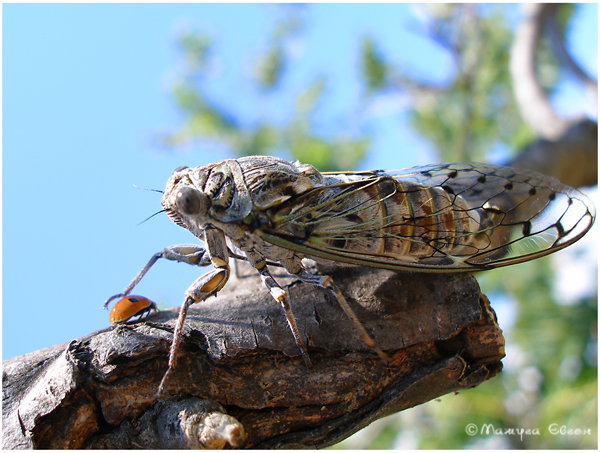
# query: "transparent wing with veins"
{"points": [[438, 218]]}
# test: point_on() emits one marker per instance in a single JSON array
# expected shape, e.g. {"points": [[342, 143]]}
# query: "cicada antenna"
{"points": [[156, 213], [143, 188]]}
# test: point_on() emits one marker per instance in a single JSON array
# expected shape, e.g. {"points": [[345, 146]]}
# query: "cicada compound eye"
{"points": [[190, 201]]}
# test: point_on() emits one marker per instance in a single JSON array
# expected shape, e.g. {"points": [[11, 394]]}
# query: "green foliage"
{"points": [[206, 121], [269, 65], [268, 68], [195, 48], [476, 111], [373, 68]]}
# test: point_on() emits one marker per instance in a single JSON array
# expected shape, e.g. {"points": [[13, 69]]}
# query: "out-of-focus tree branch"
{"points": [[567, 148], [531, 98], [572, 158]]}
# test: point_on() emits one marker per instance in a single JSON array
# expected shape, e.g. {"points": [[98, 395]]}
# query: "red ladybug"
{"points": [[131, 306]]}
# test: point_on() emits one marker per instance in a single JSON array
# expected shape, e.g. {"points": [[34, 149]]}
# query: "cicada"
{"points": [[458, 217]]}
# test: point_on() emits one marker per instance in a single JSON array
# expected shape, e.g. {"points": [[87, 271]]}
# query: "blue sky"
{"points": [[86, 85]]}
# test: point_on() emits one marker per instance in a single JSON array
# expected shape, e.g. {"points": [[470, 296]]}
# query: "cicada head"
{"points": [[184, 202]]}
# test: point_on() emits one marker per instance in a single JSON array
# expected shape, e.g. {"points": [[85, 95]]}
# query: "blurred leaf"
{"points": [[259, 141], [186, 98], [268, 68], [307, 100], [372, 65], [564, 14], [195, 47]]}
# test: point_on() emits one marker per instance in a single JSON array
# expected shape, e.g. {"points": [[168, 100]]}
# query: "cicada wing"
{"points": [[448, 217]]}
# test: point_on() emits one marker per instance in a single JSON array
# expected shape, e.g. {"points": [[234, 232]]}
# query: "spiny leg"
{"points": [[193, 254], [325, 281], [280, 295], [186, 253], [204, 287]]}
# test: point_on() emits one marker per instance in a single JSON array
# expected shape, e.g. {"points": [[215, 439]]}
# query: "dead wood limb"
{"points": [[100, 391]]}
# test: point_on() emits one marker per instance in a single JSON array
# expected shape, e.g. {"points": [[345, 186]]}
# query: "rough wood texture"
{"points": [[100, 391]]}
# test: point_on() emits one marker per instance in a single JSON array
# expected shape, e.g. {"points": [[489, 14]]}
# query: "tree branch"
{"points": [[531, 98], [572, 158], [238, 356]]}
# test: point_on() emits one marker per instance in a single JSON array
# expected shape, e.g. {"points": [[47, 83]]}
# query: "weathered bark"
{"points": [[100, 391]]}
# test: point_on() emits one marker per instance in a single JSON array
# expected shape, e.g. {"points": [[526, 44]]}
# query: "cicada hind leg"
{"points": [[326, 282], [294, 267]]}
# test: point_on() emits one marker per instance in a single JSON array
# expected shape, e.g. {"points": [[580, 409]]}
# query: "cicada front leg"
{"points": [[188, 253], [193, 254], [204, 287]]}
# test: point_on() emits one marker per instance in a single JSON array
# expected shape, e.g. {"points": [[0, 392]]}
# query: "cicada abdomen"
{"points": [[449, 217]]}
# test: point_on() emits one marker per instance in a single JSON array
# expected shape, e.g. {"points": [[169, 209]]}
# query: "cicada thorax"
{"points": [[236, 187]]}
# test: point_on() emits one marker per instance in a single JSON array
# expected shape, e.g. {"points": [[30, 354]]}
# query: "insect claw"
{"points": [[111, 298], [382, 355], [162, 382]]}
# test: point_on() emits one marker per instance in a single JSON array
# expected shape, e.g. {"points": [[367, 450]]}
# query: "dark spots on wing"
{"points": [[508, 186], [481, 179], [354, 218], [448, 189], [526, 228], [532, 191]]}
